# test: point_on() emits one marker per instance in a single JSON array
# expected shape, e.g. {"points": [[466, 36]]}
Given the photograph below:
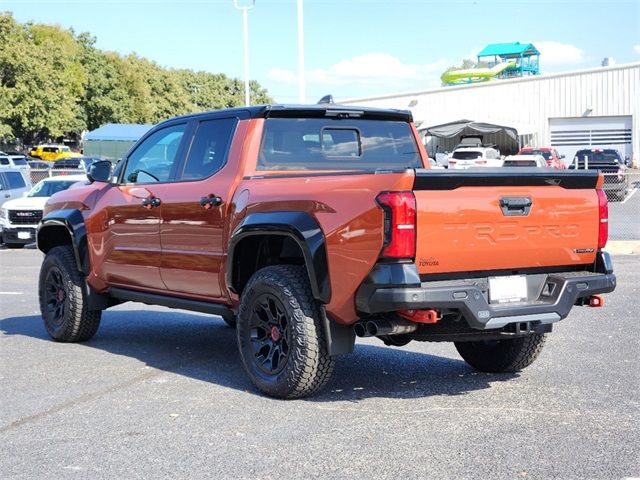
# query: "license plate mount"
{"points": [[509, 289]]}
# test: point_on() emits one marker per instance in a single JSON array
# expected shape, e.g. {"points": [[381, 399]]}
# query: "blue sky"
{"points": [[352, 48]]}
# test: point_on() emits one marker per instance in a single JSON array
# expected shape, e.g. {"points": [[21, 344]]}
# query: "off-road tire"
{"points": [[308, 366], [75, 322], [502, 356]]}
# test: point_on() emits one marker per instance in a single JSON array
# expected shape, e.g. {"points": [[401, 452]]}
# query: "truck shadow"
{"points": [[204, 348]]}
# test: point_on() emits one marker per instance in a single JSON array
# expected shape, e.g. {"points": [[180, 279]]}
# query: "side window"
{"points": [[15, 180], [3, 182], [209, 149], [153, 160], [4, 161]]}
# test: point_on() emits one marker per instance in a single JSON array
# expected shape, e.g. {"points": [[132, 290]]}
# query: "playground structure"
{"points": [[498, 60]]}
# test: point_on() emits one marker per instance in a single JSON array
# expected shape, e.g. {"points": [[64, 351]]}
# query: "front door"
{"points": [[193, 213], [130, 243]]}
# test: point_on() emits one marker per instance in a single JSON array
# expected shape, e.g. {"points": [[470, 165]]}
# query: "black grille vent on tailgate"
{"points": [[25, 217]]}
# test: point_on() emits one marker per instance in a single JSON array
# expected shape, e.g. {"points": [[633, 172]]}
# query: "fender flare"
{"points": [[73, 221], [303, 229]]}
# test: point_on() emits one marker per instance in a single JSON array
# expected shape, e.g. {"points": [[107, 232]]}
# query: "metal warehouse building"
{"points": [[599, 107]]}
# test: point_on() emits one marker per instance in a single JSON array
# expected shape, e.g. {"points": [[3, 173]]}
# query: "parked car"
{"points": [[526, 160], [14, 161], [20, 217], [306, 226], [82, 163], [467, 157], [38, 164], [14, 183], [610, 163], [51, 153], [551, 156]]}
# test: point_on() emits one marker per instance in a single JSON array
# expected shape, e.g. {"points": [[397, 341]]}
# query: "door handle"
{"points": [[210, 201], [151, 202], [7, 195]]}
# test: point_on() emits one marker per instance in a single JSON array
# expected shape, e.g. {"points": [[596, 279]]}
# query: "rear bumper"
{"points": [[550, 298]]}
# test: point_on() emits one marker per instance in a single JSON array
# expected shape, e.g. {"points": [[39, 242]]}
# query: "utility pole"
{"points": [[301, 92], [245, 24]]}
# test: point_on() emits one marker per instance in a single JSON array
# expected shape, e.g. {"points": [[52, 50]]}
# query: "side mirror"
{"points": [[100, 171], [561, 157]]}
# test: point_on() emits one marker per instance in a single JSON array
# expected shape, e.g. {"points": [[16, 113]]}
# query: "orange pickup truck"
{"points": [[306, 226]]}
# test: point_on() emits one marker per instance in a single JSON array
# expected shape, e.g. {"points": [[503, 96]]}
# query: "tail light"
{"points": [[603, 214], [452, 162], [399, 224]]}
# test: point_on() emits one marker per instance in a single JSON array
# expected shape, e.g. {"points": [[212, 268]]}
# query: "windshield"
{"points": [[466, 155], [47, 188], [546, 155], [332, 144]]}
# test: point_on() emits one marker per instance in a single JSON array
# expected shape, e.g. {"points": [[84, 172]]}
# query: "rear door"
{"points": [[193, 213], [495, 219]]}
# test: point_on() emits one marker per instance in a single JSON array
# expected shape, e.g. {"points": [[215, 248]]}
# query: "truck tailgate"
{"points": [[497, 219]]}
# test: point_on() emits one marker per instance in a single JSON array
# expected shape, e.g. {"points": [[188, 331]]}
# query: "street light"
{"points": [[245, 7]]}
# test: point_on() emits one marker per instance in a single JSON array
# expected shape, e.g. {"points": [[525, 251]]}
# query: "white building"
{"points": [[599, 107]]}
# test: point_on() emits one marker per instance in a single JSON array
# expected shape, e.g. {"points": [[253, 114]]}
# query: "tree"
{"points": [[55, 82]]}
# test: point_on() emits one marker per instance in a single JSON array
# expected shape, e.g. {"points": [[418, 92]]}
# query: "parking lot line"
{"points": [[630, 195]]}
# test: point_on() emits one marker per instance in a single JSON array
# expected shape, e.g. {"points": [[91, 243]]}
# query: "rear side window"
{"points": [[4, 161], [15, 180], [209, 149], [19, 161], [337, 144]]}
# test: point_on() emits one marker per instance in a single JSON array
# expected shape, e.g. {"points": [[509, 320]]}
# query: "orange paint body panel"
{"points": [[464, 230]]}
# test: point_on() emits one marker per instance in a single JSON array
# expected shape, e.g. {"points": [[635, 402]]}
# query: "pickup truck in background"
{"points": [[550, 154], [610, 163], [306, 226]]}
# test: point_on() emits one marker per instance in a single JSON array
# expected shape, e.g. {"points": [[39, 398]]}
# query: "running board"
{"points": [[171, 302]]}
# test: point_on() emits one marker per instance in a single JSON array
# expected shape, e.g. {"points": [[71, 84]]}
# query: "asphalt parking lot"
{"points": [[160, 393]]}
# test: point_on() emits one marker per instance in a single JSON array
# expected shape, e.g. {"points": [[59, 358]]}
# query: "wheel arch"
{"points": [[296, 234], [65, 227]]}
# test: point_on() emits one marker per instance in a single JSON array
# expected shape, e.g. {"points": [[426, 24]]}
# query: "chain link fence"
{"points": [[41, 174], [624, 205]]}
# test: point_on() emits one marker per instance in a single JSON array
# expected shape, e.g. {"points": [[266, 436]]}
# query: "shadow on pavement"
{"points": [[204, 348]]}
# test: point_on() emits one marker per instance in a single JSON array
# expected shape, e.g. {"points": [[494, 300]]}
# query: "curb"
{"points": [[623, 247]]}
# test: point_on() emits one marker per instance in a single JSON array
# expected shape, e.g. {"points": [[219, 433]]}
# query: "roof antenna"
{"points": [[326, 99]]}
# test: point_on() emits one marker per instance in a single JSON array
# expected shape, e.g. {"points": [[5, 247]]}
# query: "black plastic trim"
{"points": [[503, 177], [304, 230], [73, 221], [171, 302], [380, 295]]}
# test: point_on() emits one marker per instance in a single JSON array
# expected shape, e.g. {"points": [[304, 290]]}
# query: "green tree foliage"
{"points": [[55, 82]]}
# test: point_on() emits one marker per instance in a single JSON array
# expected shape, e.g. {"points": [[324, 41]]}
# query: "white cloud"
{"points": [[636, 48], [369, 72], [556, 54]]}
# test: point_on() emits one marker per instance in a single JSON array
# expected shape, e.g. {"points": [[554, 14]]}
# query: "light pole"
{"points": [[245, 7], [301, 93]]}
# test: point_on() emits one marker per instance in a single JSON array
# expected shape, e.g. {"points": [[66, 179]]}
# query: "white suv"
{"points": [[467, 157], [19, 218], [14, 161]]}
